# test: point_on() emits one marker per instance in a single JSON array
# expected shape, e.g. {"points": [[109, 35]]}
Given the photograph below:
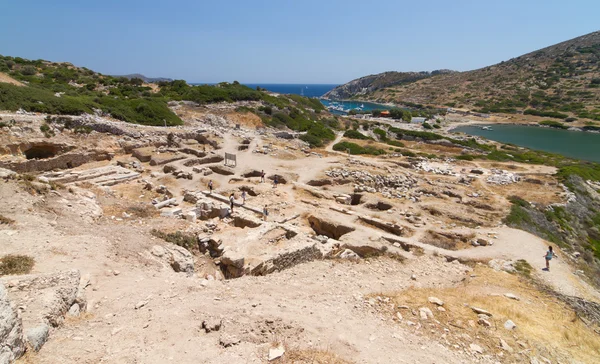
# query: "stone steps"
{"points": [[102, 176]]}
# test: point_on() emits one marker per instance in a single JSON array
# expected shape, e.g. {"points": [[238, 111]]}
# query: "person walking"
{"points": [[275, 181], [210, 186], [243, 197], [265, 213], [549, 255], [231, 199], [262, 176]]}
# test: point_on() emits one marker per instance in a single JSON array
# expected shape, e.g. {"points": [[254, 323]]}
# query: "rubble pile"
{"points": [[446, 169], [501, 177], [391, 186]]}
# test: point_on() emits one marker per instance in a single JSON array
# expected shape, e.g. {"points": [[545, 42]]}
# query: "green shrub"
{"points": [[355, 149], [395, 143], [188, 241], [354, 134], [382, 134], [428, 126], [553, 124], [549, 114], [465, 157]]}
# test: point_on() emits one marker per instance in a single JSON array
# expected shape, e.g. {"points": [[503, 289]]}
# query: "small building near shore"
{"points": [[417, 120]]}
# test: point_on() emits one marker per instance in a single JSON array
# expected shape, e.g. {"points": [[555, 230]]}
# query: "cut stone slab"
{"points": [[165, 158], [143, 154]]}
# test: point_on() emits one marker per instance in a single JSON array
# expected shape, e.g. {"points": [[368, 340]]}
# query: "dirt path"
{"points": [[513, 244]]}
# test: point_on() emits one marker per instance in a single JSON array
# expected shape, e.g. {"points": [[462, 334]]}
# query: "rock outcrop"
{"points": [[12, 345]]}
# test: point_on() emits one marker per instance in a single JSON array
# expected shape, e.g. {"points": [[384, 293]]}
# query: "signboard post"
{"points": [[230, 158]]}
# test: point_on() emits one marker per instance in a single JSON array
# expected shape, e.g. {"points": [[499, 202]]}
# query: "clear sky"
{"points": [[286, 41]]}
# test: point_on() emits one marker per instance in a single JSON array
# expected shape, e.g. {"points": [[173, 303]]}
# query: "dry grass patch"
{"points": [[446, 240], [16, 264], [311, 356], [545, 326]]}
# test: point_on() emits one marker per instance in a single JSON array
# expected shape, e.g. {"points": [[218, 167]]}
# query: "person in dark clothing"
{"points": [[231, 199], [210, 186], [549, 255]]}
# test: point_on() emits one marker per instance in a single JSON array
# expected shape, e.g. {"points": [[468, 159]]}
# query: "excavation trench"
{"points": [[381, 206], [328, 228]]}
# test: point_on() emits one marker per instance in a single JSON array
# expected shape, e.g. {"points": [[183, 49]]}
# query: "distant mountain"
{"points": [[369, 84], [563, 79], [146, 79]]}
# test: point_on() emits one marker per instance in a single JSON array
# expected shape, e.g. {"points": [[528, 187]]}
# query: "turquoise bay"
{"points": [[573, 144]]}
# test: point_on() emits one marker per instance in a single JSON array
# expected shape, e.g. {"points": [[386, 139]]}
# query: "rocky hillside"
{"points": [[559, 81], [369, 84], [146, 79]]}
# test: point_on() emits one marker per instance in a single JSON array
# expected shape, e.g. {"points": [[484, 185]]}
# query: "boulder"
{"points": [[12, 345], [181, 260], [74, 310], [37, 336], [483, 242]]}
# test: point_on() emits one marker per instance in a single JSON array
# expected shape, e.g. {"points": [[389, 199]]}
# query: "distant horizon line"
{"points": [[265, 83]]}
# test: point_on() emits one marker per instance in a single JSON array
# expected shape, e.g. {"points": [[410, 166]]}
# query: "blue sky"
{"points": [[286, 41]]}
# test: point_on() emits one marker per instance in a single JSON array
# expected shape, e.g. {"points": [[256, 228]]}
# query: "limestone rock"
{"points": [[37, 336], [277, 352], [476, 348], [211, 324], [425, 313], [12, 345], [478, 310], [512, 296], [54, 293], [74, 310], [436, 301], [228, 340], [484, 322], [509, 325], [177, 257], [349, 254], [504, 346]]}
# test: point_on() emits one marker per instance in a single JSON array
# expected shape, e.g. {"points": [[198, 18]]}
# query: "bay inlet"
{"points": [[572, 144]]}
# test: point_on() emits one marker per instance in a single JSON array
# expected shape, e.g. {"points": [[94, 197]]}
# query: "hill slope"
{"points": [[146, 79], [563, 78], [369, 84]]}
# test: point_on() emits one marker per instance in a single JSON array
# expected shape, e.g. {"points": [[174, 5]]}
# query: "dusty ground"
{"points": [[321, 310]]}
